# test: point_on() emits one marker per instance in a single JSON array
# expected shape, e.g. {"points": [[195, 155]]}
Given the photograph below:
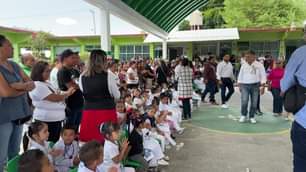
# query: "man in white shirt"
{"points": [[251, 81], [225, 77], [132, 75]]}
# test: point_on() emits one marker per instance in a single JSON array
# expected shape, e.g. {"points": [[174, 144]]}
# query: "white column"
{"points": [[165, 49], [105, 30]]}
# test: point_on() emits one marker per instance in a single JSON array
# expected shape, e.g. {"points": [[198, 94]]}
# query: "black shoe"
{"points": [[259, 113], [172, 137]]}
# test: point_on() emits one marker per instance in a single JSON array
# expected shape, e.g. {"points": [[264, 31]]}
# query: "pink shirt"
{"points": [[275, 76]]}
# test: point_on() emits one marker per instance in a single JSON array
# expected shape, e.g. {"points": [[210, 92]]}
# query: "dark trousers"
{"points": [[249, 91], [211, 88], [258, 104], [54, 129], [277, 100], [74, 117], [298, 138], [227, 83], [186, 108]]}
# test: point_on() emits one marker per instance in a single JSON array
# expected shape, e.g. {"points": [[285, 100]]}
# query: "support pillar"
{"points": [[165, 49], [105, 31]]}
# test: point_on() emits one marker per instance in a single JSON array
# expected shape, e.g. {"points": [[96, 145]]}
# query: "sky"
{"points": [[59, 17]]}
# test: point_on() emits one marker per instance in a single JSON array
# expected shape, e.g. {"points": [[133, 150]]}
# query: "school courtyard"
{"points": [[216, 142]]}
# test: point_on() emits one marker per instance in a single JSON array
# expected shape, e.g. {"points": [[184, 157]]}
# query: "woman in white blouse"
{"points": [[48, 102]]}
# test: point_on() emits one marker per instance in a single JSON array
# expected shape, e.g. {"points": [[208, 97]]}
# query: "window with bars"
{"points": [[263, 48], [128, 52]]}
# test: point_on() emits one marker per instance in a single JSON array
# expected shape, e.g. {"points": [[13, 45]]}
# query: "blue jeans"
{"points": [[74, 117], [298, 138], [277, 100], [10, 140], [249, 91], [211, 88]]}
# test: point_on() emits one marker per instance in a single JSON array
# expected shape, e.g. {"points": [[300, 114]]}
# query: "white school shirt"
{"points": [[46, 110], [134, 73], [225, 70], [138, 101], [251, 74], [115, 76], [83, 168], [111, 150], [44, 148], [63, 162], [164, 107]]}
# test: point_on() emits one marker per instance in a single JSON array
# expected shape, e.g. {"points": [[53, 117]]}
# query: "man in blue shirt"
{"points": [[296, 70]]}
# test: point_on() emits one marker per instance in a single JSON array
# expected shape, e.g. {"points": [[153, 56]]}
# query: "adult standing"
{"points": [[251, 81], [48, 102], [225, 76], [14, 107], [67, 78], [54, 71], [132, 75], [100, 92], [274, 78], [210, 79], [162, 73], [295, 74], [185, 87]]}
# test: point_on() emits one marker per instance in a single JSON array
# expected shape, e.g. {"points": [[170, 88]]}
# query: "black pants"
{"points": [[226, 83], [211, 88], [186, 108], [258, 103], [54, 129], [277, 100], [298, 138]]}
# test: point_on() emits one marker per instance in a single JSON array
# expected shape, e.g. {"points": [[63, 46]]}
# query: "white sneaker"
{"points": [[179, 146], [181, 131], [253, 121], [168, 147], [242, 119], [166, 158], [163, 162], [224, 106]]}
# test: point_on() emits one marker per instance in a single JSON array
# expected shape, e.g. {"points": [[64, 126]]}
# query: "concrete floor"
{"points": [[209, 151]]}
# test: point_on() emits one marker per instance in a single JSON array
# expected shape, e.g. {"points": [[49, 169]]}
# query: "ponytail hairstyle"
{"points": [[107, 128], [34, 128]]}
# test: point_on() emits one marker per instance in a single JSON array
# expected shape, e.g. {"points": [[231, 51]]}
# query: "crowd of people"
{"points": [[117, 111]]}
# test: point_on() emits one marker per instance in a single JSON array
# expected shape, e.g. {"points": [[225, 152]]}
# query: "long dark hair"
{"points": [[34, 128], [108, 127], [2, 40], [97, 63], [38, 70]]}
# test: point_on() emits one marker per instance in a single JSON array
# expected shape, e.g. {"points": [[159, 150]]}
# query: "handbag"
{"points": [[294, 98]]}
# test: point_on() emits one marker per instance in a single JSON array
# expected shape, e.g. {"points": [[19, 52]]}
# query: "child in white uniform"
{"points": [[69, 158], [112, 155], [91, 156]]}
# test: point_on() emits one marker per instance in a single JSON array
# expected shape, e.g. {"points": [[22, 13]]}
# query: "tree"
{"points": [[264, 13], [39, 43], [212, 14], [185, 25]]}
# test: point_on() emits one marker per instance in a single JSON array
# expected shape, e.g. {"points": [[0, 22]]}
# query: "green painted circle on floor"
{"points": [[226, 120]]}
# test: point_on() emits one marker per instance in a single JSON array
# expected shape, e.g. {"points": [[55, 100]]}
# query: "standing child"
{"points": [[67, 143], [36, 138], [91, 156], [35, 161], [113, 155]]}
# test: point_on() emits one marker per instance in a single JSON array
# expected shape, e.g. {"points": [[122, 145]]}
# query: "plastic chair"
{"points": [[12, 165], [74, 170]]}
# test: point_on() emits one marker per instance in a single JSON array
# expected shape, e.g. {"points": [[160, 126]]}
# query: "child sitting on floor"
{"points": [[113, 155], [120, 109], [36, 138], [69, 158], [34, 160], [91, 156]]}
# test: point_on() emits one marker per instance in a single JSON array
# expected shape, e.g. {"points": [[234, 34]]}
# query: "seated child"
{"points": [[34, 160], [120, 109], [91, 156], [172, 114], [163, 126], [36, 138], [136, 149], [67, 143], [113, 155], [138, 101], [128, 102]]}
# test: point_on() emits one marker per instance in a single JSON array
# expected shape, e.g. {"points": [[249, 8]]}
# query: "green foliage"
{"points": [[212, 14], [39, 43], [264, 13], [185, 25]]}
